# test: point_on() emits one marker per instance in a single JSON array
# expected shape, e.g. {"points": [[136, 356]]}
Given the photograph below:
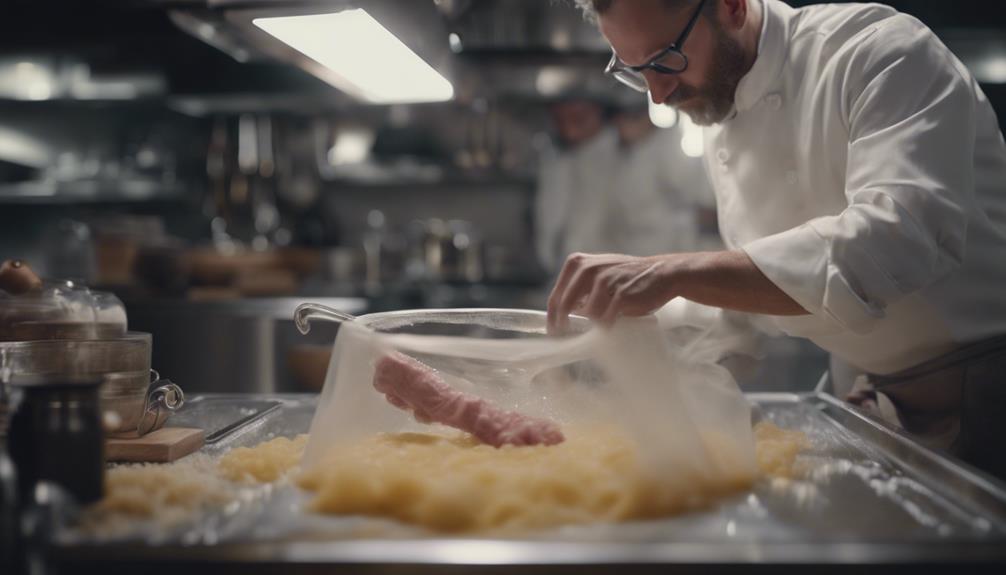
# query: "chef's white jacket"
{"points": [[864, 172]]}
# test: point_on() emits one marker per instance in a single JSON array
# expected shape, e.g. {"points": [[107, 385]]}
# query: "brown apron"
{"points": [[955, 403]]}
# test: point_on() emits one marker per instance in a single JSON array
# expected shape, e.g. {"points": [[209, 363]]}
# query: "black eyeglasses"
{"points": [[669, 61]]}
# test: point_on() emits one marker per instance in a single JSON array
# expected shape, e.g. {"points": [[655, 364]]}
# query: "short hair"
{"points": [[593, 8]]}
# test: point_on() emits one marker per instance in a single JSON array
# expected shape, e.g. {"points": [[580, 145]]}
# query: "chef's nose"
{"points": [[661, 85]]}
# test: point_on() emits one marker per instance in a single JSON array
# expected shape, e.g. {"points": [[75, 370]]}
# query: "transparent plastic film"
{"points": [[688, 421]]}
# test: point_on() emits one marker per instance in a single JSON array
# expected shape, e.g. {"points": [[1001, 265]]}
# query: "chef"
{"points": [[610, 185], [573, 181], [659, 198], [860, 179]]}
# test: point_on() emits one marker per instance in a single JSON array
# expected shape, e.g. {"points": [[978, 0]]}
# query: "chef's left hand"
{"points": [[606, 286]]}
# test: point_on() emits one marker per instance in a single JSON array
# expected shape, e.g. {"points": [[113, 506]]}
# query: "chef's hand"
{"points": [[606, 286]]}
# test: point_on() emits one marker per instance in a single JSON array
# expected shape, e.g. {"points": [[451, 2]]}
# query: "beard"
{"points": [[712, 102]]}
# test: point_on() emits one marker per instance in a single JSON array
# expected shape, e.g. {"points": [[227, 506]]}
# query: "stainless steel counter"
{"points": [[871, 498]]}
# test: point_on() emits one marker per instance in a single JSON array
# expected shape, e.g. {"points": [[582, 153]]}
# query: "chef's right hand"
{"points": [[606, 286]]}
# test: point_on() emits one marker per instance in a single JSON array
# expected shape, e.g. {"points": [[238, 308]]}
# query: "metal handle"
{"points": [[306, 312], [164, 399]]}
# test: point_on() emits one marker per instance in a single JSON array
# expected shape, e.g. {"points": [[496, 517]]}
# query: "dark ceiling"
{"points": [[138, 34], [938, 14]]}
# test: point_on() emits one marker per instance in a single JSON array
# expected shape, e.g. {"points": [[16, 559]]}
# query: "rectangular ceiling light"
{"points": [[367, 60]]}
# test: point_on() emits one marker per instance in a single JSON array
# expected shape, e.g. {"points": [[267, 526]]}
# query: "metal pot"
{"points": [[136, 401]]}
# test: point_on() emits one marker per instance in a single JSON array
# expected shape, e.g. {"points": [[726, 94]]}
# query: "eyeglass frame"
{"points": [[615, 65]]}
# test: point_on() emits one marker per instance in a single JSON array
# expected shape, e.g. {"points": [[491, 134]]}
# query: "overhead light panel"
{"points": [[366, 60], [352, 146], [991, 69]]}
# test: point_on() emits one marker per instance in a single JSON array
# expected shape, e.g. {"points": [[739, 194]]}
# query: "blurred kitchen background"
{"points": [[188, 155]]}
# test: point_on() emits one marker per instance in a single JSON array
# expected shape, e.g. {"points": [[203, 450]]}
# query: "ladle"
{"points": [[306, 312]]}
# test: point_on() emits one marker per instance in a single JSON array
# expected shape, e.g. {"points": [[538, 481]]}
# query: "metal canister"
{"points": [[56, 435]]}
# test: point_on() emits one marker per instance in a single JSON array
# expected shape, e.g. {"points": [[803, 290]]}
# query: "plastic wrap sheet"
{"points": [[688, 419]]}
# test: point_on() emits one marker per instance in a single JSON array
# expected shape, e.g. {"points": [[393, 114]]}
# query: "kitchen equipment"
{"points": [[305, 312], [132, 392], [60, 329], [10, 528], [223, 414], [122, 394], [59, 310], [249, 272], [447, 250], [56, 435], [532, 360]]}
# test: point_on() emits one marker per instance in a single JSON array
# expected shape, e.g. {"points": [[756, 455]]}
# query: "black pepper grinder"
{"points": [[10, 536], [56, 435]]}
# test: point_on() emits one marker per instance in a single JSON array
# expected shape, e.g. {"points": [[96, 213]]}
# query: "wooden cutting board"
{"points": [[161, 446]]}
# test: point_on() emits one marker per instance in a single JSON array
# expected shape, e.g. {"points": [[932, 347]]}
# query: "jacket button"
{"points": [[774, 100], [792, 177], [723, 155]]}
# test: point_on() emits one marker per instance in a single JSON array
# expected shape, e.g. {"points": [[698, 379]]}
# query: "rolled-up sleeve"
{"points": [[909, 110]]}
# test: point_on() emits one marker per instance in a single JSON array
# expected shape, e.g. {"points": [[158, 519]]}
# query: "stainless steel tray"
{"points": [[872, 497], [221, 415]]}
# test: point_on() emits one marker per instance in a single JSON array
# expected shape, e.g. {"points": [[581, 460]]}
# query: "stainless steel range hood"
{"points": [[375, 51], [523, 48]]}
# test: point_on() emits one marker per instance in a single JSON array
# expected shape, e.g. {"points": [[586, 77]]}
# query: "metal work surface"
{"points": [[867, 497]]}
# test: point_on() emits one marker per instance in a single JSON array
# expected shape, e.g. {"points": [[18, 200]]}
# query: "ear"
{"points": [[732, 14]]}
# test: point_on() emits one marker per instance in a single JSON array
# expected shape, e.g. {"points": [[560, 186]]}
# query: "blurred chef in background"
{"points": [[573, 181], [659, 199], [617, 183]]}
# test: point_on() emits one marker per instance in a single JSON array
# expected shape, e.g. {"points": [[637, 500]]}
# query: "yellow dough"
{"points": [[456, 484], [776, 449], [450, 483], [264, 463], [167, 493]]}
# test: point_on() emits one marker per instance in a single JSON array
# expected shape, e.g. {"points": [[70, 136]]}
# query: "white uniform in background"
{"points": [[571, 203], [602, 197], [656, 196], [865, 174]]}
